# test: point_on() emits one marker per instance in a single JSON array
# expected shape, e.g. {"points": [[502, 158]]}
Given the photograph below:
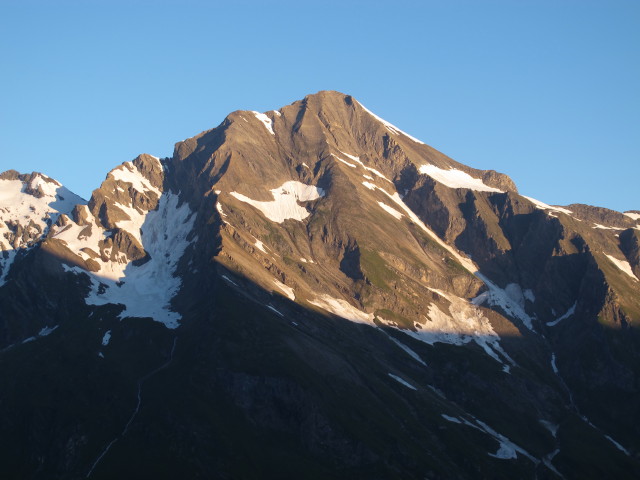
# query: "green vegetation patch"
{"points": [[375, 269]]}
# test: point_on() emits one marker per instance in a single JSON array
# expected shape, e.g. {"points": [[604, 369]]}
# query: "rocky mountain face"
{"points": [[313, 293]]}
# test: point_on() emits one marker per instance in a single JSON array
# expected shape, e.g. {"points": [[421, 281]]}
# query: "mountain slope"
{"points": [[318, 291]]}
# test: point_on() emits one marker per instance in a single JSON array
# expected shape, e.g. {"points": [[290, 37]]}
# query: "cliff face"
{"points": [[315, 290]]}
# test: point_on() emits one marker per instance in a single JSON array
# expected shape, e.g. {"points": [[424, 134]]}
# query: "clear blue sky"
{"points": [[545, 91]]}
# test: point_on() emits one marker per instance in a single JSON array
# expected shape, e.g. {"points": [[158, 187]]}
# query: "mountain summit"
{"points": [[311, 292]]}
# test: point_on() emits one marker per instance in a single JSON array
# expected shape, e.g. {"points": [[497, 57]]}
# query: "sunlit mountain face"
{"points": [[311, 292]]}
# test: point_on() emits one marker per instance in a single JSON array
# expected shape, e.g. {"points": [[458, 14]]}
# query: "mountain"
{"points": [[313, 293]]}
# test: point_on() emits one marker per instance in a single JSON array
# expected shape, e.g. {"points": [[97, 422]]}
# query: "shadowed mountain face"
{"points": [[313, 293]]}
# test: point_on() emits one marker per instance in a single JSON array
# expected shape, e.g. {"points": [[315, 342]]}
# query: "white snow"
{"points": [[498, 297], [507, 448], [622, 265], [230, 281], [529, 295], [465, 262], [276, 112], [505, 451], [146, 290], [506, 445], [285, 204], [391, 211], [106, 338], [543, 206], [454, 178], [85, 242], [410, 352], [514, 292], [273, 309], [368, 177], [369, 169], [135, 222], [287, 291], [602, 227], [553, 363], [552, 427], [618, 446], [266, 121], [566, 315], [42, 333], [451, 419], [462, 323], [260, 246], [342, 308], [633, 216], [220, 210], [344, 161], [33, 214], [129, 173], [392, 128], [495, 295], [46, 331], [403, 382]]}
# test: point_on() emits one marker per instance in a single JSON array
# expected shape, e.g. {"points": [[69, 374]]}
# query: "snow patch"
{"points": [[566, 315], [403, 382], [46, 331], [84, 241], [220, 210], [344, 161], [146, 290], [342, 308], [633, 216], [266, 121], [288, 291], [506, 450], [451, 419], [285, 204], [260, 246], [543, 206], [552, 427], [602, 227], [622, 265], [454, 178], [392, 128], [410, 352], [617, 445], [553, 363], [229, 280], [135, 222], [35, 215], [504, 299], [461, 324], [106, 338], [273, 309], [369, 169], [129, 173], [528, 294], [391, 211]]}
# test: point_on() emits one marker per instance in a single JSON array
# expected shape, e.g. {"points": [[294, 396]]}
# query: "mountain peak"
{"points": [[309, 283]]}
